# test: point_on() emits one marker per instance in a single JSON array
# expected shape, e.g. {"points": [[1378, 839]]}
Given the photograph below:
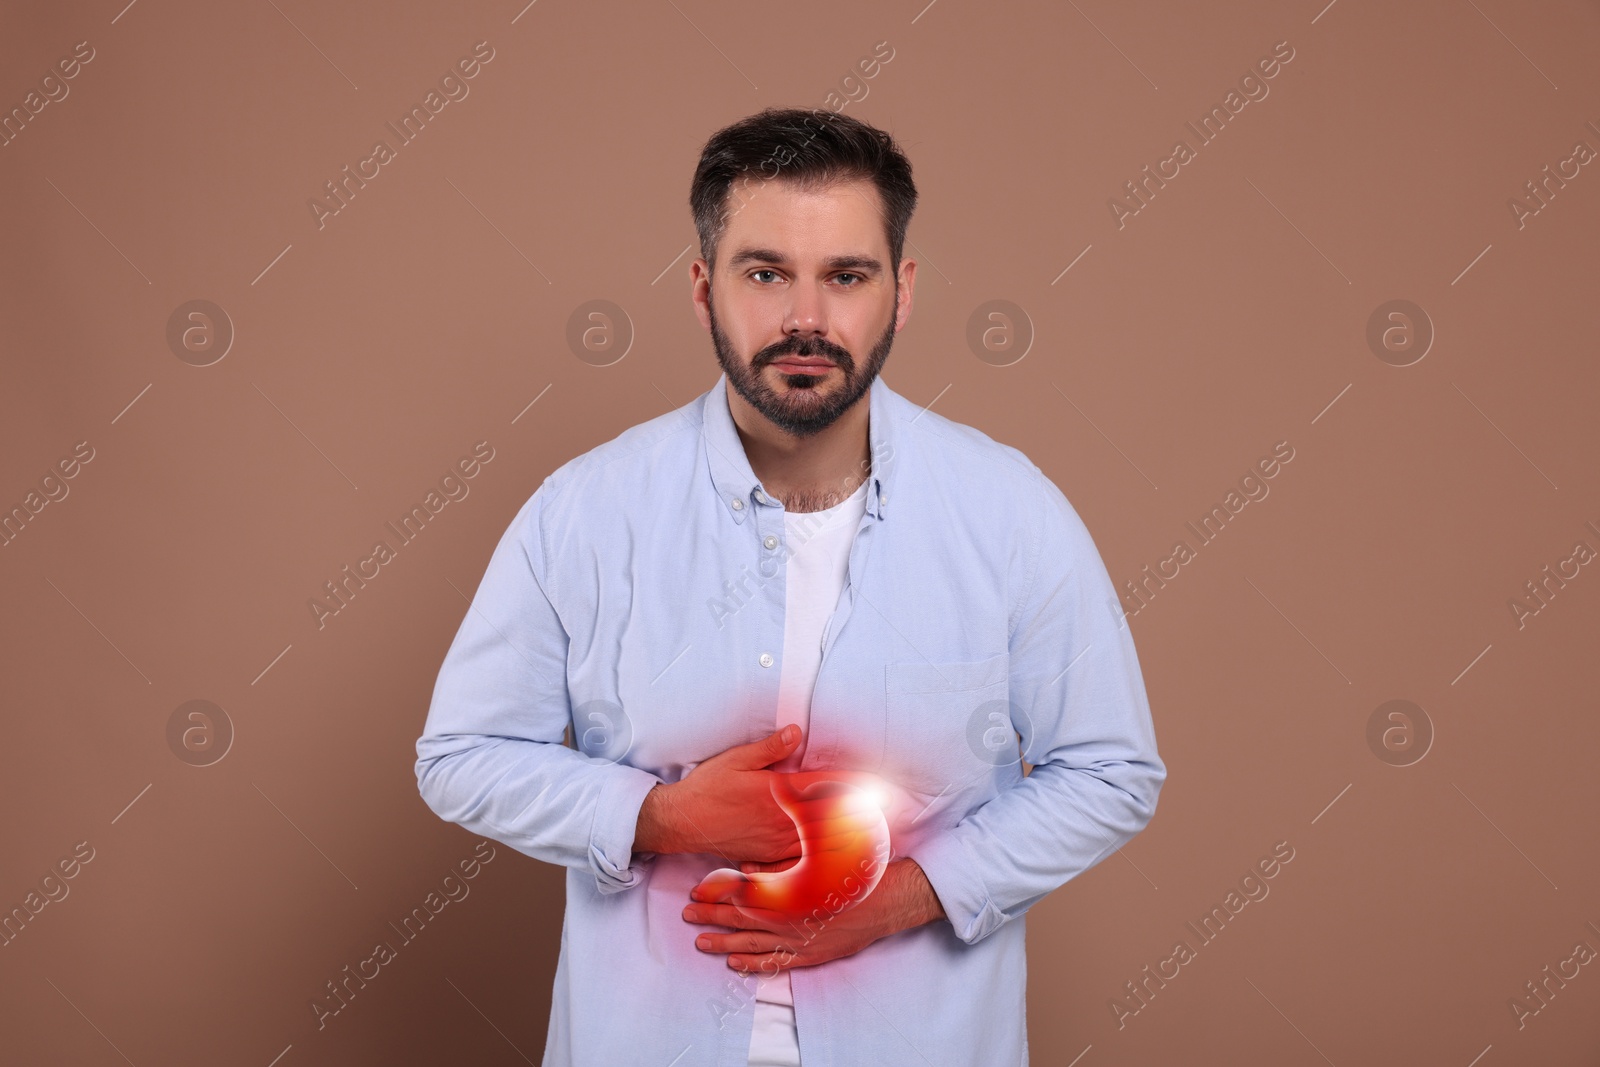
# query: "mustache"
{"points": [[811, 346]]}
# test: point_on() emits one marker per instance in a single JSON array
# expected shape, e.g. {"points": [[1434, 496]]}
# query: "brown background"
{"points": [[371, 353]]}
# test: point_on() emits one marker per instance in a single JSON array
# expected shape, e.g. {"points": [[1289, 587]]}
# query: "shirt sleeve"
{"points": [[1085, 726], [491, 756]]}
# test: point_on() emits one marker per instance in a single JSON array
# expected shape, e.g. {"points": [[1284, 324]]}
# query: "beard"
{"points": [[803, 406]]}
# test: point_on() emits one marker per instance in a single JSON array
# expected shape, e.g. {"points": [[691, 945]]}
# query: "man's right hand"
{"points": [[724, 806]]}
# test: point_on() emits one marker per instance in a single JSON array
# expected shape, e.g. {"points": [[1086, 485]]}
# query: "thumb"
{"points": [[768, 750]]}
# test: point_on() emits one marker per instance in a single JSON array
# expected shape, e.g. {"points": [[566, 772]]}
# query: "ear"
{"points": [[700, 291], [907, 278]]}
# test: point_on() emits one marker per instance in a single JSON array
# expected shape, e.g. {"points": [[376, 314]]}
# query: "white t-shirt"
{"points": [[819, 561]]}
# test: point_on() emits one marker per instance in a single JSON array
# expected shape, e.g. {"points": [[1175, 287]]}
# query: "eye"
{"points": [[849, 275], [763, 270]]}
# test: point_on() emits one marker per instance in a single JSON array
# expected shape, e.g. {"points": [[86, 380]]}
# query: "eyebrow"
{"points": [[865, 264]]}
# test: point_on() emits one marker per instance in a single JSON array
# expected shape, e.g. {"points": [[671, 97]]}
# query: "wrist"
{"points": [[915, 902], [654, 831]]}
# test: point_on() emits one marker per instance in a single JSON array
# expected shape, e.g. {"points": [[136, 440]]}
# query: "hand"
{"points": [[724, 806], [844, 847], [769, 942]]}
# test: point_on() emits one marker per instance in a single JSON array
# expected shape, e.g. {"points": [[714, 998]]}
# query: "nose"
{"points": [[806, 316]]}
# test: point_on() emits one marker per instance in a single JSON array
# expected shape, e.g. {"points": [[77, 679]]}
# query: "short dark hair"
{"points": [[811, 147]]}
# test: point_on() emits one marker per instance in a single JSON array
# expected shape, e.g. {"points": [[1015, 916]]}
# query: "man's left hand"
{"points": [[770, 941]]}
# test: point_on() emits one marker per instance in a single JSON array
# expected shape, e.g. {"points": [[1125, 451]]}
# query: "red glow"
{"points": [[844, 849]]}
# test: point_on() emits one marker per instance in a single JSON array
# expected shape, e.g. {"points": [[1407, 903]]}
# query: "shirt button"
{"points": [[883, 498], [770, 541], [738, 505], [766, 659], [761, 497]]}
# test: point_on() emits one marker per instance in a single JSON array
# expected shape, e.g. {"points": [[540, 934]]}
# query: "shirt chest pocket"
{"points": [[941, 718]]}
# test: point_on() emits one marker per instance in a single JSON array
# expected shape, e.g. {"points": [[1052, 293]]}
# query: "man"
{"points": [[798, 578]]}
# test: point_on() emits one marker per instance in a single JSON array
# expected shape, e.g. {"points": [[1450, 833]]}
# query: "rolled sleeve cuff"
{"points": [[959, 886], [616, 820]]}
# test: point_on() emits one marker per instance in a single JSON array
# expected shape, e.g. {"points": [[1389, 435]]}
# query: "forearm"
{"points": [[909, 899], [666, 825], [1055, 824], [546, 801]]}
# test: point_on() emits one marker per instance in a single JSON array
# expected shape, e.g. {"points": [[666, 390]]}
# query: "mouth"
{"points": [[803, 365]]}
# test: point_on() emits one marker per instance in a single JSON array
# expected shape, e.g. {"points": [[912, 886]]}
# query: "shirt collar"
{"points": [[738, 488]]}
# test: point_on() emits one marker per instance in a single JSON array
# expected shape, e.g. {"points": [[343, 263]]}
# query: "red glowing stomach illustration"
{"points": [[844, 849]]}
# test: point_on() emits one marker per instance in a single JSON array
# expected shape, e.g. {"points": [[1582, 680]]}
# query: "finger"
{"points": [[769, 964], [737, 918], [849, 837], [837, 826], [757, 867], [720, 890], [731, 888], [762, 753], [748, 942], [825, 820]]}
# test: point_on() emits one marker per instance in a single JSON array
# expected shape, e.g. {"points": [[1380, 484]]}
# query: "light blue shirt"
{"points": [[638, 597]]}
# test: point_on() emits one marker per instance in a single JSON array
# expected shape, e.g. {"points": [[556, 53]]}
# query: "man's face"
{"points": [[805, 306]]}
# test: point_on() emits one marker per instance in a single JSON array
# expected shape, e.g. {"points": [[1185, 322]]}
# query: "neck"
{"points": [[806, 473]]}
